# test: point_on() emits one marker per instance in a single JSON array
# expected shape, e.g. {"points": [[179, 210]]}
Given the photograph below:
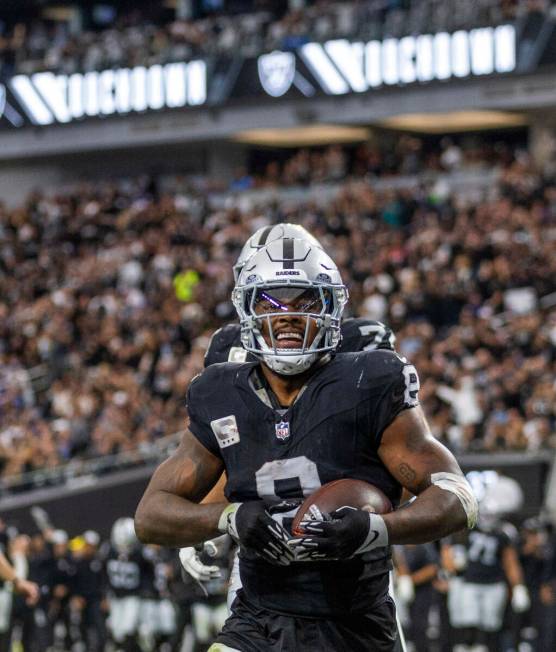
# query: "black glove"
{"points": [[343, 534], [251, 526]]}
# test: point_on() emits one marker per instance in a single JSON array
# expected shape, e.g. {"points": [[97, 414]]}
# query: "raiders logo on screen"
{"points": [[276, 72]]}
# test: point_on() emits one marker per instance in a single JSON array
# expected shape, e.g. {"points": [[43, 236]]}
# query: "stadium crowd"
{"points": [[379, 158], [139, 37], [109, 293]]}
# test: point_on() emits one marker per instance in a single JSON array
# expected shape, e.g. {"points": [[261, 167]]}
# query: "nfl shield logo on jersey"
{"points": [[282, 429], [276, 72]]}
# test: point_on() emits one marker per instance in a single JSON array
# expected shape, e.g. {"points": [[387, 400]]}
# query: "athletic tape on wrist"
{"points": [[459, 486]]}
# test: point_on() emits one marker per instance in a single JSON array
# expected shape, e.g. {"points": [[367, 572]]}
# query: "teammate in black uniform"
{"points": [[492, 565], [89, 582], [281, 428], [126, 568]]}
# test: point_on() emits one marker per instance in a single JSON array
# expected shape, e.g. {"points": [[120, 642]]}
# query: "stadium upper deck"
{"points": [[75, 39]]}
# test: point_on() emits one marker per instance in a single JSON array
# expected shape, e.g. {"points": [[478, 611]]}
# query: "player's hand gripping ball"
{"points": [[339, 521], [251, 525]]}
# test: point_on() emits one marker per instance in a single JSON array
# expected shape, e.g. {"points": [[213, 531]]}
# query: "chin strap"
{"points": [[289, 366]]}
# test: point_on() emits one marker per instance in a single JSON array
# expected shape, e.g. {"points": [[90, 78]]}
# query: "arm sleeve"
{"points": [[198, 423], [401, 392]]}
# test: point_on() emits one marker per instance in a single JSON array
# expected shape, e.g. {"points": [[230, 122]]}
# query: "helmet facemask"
{"points": [[288, 346]]}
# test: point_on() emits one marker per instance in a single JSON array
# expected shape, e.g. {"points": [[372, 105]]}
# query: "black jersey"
{"points": [[149, 588], [358, 334], [127, 572], [332, 431], [89, 578], [484, 555]]}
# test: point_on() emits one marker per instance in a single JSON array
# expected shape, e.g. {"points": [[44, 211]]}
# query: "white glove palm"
{"points": [[405, 589], [193, 565], [520, 599]]}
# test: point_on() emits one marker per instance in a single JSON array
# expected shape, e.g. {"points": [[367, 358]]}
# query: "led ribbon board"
{"points": [[49, 98], [340, 66], [336, 67]]}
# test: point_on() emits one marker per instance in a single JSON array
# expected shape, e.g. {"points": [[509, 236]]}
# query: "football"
{"points": [[335, 494]]}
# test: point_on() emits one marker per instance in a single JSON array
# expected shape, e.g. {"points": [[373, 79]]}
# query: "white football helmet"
{"points": [[289, 276], [504, 496], [268, 234], [123, 535]]}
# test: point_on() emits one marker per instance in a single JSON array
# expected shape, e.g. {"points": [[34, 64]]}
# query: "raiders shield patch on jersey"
{"points": [[282, 430], [226, 431]]}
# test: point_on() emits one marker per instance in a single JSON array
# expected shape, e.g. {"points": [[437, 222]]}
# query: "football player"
{"points": [[158, 617], [126, 568], [8, 573], [358, 334], [88, 584], [492, 565], [282, 426], [13, 575]]}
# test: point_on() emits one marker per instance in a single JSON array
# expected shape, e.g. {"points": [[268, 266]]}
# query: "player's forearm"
{"points": [[7, 571], [434, 514], [512, 567], [169, 520]]}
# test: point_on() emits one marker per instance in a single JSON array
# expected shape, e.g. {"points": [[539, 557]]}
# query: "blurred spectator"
{"points": [[144, 36]]}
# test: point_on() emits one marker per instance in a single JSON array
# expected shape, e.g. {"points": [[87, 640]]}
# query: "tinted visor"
{"points": [[314, 300]]}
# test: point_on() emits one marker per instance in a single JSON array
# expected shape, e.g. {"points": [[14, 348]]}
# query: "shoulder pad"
{"points": [[389, 367], [221, 343], [212, 379], [359, 334]]}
